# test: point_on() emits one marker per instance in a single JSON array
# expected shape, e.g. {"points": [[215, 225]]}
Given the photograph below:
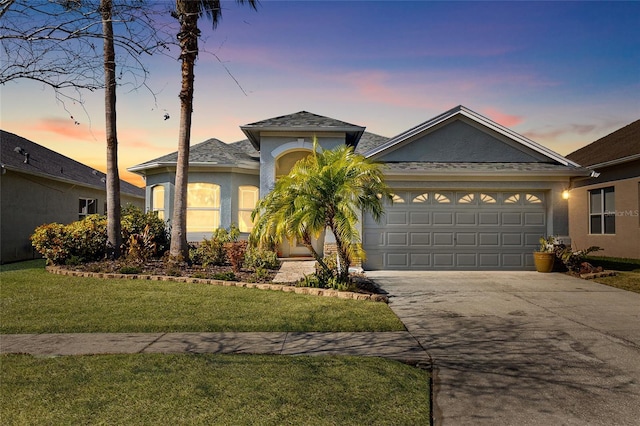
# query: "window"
{"points": [[203, 207], [467, 199], [602, 215], [422, 198], [397, 199], [441, 198], [87, 206], [157, 200], [247, 200]]}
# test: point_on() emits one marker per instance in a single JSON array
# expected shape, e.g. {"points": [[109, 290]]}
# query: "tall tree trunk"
{"points": [[114, 234], [188, 38]]}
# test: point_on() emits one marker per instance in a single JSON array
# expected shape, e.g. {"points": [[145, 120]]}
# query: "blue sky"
{"points": [[561, 73]]}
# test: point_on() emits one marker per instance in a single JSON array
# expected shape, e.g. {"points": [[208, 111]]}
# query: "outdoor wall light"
{"points": [[565, 194]]}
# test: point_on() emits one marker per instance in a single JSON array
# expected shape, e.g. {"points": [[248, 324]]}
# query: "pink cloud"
{"points": [[499, 117], [69, 128]]}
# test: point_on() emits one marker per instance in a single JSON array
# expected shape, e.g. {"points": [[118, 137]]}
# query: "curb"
{"points": [[261, 286]]}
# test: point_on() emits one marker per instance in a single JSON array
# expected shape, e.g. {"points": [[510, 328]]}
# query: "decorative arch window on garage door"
{"points": [[526, 198], [422, 198], [203, 207], [247, 200]]}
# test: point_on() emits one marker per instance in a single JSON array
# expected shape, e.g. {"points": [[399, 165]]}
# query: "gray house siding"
{"points": [[29, 201]]}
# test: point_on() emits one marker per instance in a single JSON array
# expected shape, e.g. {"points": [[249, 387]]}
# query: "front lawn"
{"points": [[34, 301], [629, 281], [211, 390]]}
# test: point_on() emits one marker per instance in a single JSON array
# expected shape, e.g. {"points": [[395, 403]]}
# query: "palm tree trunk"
{"points": [[188, 38], [114, 235]]}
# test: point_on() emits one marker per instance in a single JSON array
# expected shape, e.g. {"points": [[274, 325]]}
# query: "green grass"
{"points": [[629, 281], [615, 263], [35, 301], [212, 390]]}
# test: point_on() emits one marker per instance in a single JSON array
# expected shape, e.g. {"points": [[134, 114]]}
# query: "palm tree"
{"points": [[188, 12], [328, 189], [114, 234]]}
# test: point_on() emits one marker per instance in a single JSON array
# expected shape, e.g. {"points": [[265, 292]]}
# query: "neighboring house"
{"points": [[604, 209], [468, 192], [40, 186]]}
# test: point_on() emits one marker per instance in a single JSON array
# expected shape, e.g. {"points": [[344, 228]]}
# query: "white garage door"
{"points": [[456, 230]]}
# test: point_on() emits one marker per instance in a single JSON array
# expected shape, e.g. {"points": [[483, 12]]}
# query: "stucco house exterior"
{"points": [[38, 185], [604, 209], [468, 192]]}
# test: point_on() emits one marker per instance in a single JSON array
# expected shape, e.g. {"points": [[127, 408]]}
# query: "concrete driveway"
{"points": [[523, 348]]}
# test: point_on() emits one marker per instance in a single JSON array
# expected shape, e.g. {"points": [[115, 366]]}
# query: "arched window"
{"points": [[397, 199], [441, 198], [247, 200], [467, 199], [203, 207], [487, 199], [157, 200], [422, 198]]}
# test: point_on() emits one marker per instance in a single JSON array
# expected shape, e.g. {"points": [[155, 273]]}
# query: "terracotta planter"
{"points": [[544, 261]]}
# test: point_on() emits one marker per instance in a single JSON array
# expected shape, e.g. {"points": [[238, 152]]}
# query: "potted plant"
{"points": [[545, 257]]}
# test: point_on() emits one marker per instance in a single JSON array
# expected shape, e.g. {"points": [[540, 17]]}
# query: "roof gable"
{"points": [[302, 121], [617, 147], [461, 135], [47, 163]]}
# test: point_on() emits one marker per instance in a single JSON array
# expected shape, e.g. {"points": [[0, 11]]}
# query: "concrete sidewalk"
{"points": [[399, 346]]}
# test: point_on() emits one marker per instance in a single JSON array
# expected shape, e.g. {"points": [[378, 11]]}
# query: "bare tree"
{"points": [[53, 42], [188, 12]]}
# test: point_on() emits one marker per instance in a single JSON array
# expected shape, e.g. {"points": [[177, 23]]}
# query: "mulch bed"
{"points": [[158, 268]]}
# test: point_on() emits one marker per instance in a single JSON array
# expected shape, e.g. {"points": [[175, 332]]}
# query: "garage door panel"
{"points": [[466, 218], [488, 218], [489, 239], [443, 260], [512, 239], [510, 219], [373, 238], [534, 219], [397, 239], [396, 218], [443, 218], [512, 260], [466, 238], [443, 239], [420, 239], [466, 260], [419, 218], [489, 260], [420, 260], [397, 260]]}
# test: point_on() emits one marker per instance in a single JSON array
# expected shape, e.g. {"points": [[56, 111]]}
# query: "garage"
{"points": [[456, 229]]}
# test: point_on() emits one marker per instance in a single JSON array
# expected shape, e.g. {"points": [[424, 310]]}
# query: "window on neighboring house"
{"points": [[87, 206], [203, 207], [157, 200], [602, 215], [247, 200]]}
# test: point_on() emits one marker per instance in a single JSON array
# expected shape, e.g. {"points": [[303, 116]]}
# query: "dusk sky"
{"points": [[561, 73]]}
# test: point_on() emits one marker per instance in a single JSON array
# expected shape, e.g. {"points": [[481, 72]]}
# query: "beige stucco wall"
{"points": [[626, 241]]}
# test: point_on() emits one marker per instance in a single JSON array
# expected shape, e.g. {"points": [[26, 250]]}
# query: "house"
{"points": [[468, 192], [604, 208], [38, 185]]}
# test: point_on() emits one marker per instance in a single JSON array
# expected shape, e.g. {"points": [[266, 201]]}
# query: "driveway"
{"points": [[523, 348]]}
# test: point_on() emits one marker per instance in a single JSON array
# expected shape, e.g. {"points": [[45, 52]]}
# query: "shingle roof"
{"points": [[211, 151], [48, 163], [369, 141], [409, 167], [302, 120], [622, 143]]}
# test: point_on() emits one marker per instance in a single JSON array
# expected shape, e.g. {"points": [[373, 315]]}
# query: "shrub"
{"points": [[50, 240], [234, 252], [141, 246], [81, 241], [135, 221], [257, 258], [259, 276], [212, 252], [130, 269]]}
